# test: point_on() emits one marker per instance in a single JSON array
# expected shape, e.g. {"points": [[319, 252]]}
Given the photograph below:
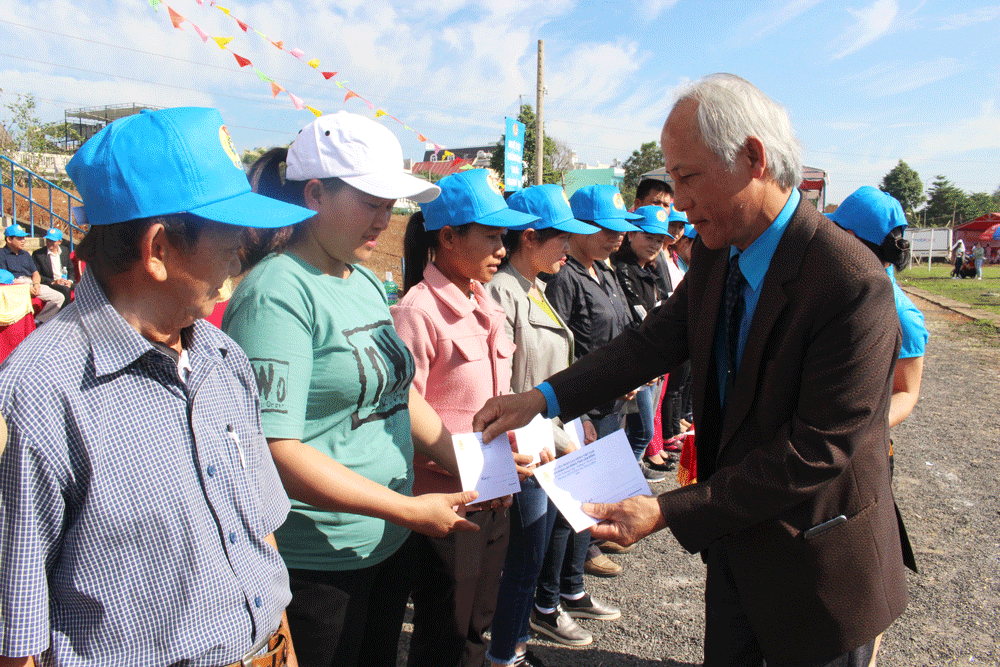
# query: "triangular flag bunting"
{"points": [[200, 2], [261, 75], [154, 3], [201, 33], [242, 25], [380, 113], [421, 137], [314, 63], [340, 84], [261, 34], [298, 53], [296, 101], [329, 75], [350, 94], [280, 44], [407, 127], [222, 41], [316, 112], [370, 105], [175, 18], [223, 10], [438, 148], [241, 60], [275, 89]]}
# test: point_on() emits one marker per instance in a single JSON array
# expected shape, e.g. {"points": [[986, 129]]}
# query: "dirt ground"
{"points": [[946, 487]]}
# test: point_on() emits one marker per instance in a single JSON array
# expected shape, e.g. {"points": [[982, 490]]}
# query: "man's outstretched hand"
{"points": [[626, 522], [505, 413]]}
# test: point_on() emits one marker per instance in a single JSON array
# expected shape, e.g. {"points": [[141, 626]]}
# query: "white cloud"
{"points": [[980, 15], [870, 24], [975, 133], [895, 78], [773, 20]]}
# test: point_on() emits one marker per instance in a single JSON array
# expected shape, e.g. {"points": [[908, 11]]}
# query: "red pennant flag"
{"points": [[275, 89], [176, 18], [329, 75], [242, 24], [421, 137], [241, 60], [349, 95], [280, 44]]}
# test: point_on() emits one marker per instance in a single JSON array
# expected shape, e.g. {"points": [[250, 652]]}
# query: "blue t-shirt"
{"points": [[21, 264], [911, 323]]}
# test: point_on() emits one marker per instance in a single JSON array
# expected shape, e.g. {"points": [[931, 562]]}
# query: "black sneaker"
{"points": [[560, 627], [590, 607], [651, 475], [529, 659]]}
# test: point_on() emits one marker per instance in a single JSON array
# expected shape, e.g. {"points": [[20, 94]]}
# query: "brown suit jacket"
{"points": [[804, 439]]}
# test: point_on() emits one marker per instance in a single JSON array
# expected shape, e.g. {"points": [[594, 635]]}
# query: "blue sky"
{"points": [[866, 82]]}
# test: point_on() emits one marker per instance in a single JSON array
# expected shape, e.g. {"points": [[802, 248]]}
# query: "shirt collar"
{"points": [[755, 260], [115, 344], [449, 294]]}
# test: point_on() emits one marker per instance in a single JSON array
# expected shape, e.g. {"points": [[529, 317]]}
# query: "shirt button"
{"points": [[211, 470], [232, 537], [258, 602]]}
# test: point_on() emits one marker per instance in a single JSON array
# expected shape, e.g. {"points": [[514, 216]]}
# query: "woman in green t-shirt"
{"points": [[338, 410]]}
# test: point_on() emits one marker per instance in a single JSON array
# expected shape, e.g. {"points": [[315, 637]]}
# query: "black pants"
{"points": [[353, 617], [674, 407], [729, 639], [455, 592]]}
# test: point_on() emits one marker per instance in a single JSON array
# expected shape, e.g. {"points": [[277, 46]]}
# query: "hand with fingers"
{"points": [[626, 522]]}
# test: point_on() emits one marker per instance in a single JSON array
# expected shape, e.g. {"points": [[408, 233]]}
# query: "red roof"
{"points": [[440, 168], [981, 223]]}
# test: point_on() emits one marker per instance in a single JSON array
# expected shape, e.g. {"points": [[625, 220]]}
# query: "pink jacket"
{"points": [[462, 358]]}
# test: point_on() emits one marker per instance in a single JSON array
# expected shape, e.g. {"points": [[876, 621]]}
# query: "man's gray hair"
{"points": [[730, 110]]}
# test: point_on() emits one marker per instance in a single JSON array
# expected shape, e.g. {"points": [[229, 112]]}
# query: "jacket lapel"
{"points": [[785, 267], [703, 313]]}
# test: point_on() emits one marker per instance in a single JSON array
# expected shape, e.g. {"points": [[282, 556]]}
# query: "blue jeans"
{"points": [[532, 518], [639, 425], [562, 570]]}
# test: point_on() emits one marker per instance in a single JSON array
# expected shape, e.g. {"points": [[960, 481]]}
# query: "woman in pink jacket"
{"points": [[462, 356]]}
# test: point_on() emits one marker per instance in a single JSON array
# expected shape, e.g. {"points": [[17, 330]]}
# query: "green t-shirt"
{"points": [[332, 373]]}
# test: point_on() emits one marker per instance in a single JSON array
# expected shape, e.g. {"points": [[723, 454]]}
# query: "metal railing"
{"points": [[14, 178]]}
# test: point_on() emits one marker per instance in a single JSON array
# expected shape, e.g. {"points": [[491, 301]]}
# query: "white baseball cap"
{"points": [[358, 151]]}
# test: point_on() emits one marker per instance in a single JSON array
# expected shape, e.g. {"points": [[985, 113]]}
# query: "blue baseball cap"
{"points": [[53, 235], [179, 160], [869, 213], [689, 230], [603, 205], [654, 220], [471, 196], [6, 277], [677, 216], [550, 203], [14, 230]]}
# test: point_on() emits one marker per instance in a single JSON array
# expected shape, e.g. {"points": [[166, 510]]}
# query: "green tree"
{"points": [[979, 203], [251, 155], [904, 184], [553, 167], [945, 203], [645, 159]]}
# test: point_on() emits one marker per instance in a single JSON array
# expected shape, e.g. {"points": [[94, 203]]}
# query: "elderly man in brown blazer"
{"points": [[792, 347]]}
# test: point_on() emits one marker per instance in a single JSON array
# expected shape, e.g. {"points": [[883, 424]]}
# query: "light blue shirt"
{"points": [[911, 323], [754, 263]]}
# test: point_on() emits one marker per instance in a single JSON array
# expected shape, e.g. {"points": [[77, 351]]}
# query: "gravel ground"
{"points": [[945, 485]]}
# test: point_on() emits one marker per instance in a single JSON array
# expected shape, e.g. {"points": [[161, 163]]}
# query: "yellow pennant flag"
{"points": [[316, 112], [222, 41], [314, 63], [223, 10], [380, 113]]}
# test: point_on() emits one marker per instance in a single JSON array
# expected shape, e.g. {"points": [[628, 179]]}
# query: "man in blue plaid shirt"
{"points": [[137, 493]]}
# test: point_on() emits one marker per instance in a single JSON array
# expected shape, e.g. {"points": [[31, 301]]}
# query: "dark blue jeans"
{"points": [[562, 570], [531, 520], [639, 425]]}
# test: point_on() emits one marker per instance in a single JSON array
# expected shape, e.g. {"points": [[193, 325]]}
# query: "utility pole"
{"points": [[539, 125]]}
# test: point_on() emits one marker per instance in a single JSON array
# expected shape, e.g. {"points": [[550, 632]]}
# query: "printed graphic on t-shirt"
{"points": [[272, 383], [385, 370]]}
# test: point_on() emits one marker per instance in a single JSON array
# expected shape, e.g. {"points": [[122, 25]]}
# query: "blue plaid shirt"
{"points": [[133, 506]]}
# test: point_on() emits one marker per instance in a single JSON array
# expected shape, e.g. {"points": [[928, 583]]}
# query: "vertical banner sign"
{"points": [[513, 154]]}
